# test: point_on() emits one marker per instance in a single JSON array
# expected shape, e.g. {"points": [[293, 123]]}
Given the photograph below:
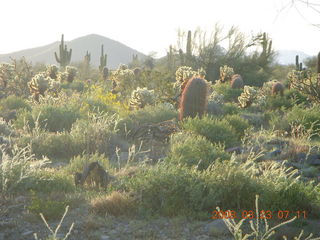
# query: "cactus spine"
{"points": [[194, 98], [103, 59], [65, 55], [318, 63]]}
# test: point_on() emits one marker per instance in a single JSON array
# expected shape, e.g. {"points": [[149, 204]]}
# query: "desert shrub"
{"points": [[238, 123], [77, 163], [193, 150], [150, 114], [170, 189], [278, 102], [54, 145], [17, 169], [55, 118], [76, 86], [230, 109], [229, 94], [257, 120], [49, 181], [97, 134], [215, 130], [308, 118], [24, 119], [297, 97], [52, 209], [115, 204], [13, 103]]}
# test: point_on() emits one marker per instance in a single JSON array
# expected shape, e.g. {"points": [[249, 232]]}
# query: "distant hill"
{"points": [[286, 57], [116, 51]]}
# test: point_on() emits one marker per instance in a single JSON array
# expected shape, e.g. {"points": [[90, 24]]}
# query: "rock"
{"points": [[300, 156], [4, 225], [27, 233], [217, 228], [236, 150], [278, 142], [275, 153], [104, 237], [313, 159]]}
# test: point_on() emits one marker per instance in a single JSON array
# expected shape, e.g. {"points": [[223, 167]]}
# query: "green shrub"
{"points": [[192, 150], [97, 135], [238, 123], [150, 114], [230, 109], [215, 130], [297, 97], [77, 163], [24, 119], [278, 102], [309, 118], [76, 86], [52, 209], [229, 94], [55, 145], [13, 103], [55, 118]]}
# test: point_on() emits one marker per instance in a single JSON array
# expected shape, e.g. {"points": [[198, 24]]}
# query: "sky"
{"points": [[151, 25]]}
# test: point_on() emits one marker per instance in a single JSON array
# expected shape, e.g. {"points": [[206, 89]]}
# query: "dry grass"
{"points": [[115, 204]]}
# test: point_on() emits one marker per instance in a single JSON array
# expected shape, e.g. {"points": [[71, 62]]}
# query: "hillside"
{"points": [[116, 51]]}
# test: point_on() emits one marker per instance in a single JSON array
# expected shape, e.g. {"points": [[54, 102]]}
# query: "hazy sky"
{"points": [[150, 25]]}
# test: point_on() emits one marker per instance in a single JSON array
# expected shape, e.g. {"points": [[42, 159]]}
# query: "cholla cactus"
{"points": [[201, 73], [123, 79], [71, 73], [216, 97], [55, 87], [6, 73], [248, 96], [123, 66], [62, 77], [184, 73], [141, 97], [52, 71], [226, 73], [39, 84]]}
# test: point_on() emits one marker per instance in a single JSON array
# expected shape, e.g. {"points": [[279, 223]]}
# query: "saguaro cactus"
{"points": [[194, 98], [318, 63], [103, 59], [65, 55]]}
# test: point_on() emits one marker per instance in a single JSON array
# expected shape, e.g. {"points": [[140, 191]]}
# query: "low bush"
{"points": [[193, 150], [215, 130], [238, 123], [229, 94], [13, 103]]}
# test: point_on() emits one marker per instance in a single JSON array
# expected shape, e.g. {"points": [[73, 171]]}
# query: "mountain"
{"points": [[116, 51], [286, 57]]}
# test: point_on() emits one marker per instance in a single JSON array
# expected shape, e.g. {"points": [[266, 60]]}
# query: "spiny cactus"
{"points": [[123, 79], [105, 73], [236, 81], [6, 73], [62, 76], [71, 73], [184, 73], [248, 96], [52, 71], [194, 98], [277, 88], [318, 63], [103, 59], [87, 58], [141, 97], [137, 71], [298, 64], [201, 73], [39, 84], [64, 56], [226, 73]]}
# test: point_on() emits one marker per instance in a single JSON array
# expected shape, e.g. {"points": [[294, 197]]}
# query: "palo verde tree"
{"points": [[64, 57]]}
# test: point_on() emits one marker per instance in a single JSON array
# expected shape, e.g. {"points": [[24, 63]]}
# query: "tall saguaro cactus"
{"points": [[65, 55], [103, 59], [318, 63]]}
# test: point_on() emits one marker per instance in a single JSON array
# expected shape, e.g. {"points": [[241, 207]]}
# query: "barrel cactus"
{"points": [[236, 81], [248, 96], [52, 71], [141, 97], [39, 84], [277, 88], [194, 98], [226, 73]]}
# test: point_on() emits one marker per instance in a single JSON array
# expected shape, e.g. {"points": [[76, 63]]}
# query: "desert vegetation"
{"points": [[204, 127]]}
